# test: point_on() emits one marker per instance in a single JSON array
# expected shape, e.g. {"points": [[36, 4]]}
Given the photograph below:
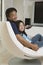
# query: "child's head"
{"points": [[20, 25]]}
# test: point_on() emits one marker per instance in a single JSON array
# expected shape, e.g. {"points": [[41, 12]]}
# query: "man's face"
{"points": [[13, 16]]}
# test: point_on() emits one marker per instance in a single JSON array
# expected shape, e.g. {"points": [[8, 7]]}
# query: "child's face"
{"points": [[21, 27]]}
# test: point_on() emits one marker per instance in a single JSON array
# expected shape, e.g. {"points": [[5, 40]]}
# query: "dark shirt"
{"points": [[14, 27]]}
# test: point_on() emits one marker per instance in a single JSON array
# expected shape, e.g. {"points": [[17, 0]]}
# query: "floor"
{"points": [[18, 61]]}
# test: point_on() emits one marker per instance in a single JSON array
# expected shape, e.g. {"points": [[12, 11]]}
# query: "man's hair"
{"points": [[9, 10]]}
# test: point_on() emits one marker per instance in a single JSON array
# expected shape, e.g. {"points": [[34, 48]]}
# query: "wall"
{"points": [[25, 8], [29, 9], [6, 4], [13, 3], [19, 5], [0, 10]]}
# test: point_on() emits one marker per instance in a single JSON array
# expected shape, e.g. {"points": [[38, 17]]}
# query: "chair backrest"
{"points": [[16, 42], [13, 36], [19, 45], [12, 44]]}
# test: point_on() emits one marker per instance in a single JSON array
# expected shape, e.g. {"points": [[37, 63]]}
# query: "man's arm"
{"points": [[26, 43]]}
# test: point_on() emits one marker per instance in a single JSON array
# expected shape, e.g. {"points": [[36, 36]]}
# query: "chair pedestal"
{"points": [[41, 60], [3, 64]]}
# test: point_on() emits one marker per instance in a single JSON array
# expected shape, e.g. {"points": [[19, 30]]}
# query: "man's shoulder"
{"points": [[14, 26], [12, 23]]}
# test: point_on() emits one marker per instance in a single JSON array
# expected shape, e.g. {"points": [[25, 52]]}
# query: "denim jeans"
{"points": [[38, 39]]}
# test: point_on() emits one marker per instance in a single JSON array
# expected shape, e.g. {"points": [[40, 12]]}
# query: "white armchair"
{"points": [[12, 47]]}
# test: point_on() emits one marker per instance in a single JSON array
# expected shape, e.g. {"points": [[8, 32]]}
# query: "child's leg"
{"points": [[39, 43], [36, 38], [41, 38]]}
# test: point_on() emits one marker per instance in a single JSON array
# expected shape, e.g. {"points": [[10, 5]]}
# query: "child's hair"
{"points": [[17, 23]]}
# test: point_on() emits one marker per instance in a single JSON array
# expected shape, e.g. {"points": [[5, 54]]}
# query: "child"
{"points": [[37, 39]]}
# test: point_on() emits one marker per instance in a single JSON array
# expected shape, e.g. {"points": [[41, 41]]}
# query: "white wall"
{"points": [[25, 8], [18, 4], [13, 3], [29, 9], [6, 4], [0, 10]]}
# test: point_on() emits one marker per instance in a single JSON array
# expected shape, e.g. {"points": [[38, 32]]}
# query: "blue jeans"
{"points": [[38, 39]]}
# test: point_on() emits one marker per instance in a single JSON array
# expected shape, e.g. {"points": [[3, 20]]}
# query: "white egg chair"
{"points": [[10, 46]]}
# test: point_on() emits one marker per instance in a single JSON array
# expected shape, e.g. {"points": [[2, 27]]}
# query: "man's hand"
{"points": [[35, 47]]}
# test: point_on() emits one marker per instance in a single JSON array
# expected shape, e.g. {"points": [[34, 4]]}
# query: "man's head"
{"points": [[11, 14]]}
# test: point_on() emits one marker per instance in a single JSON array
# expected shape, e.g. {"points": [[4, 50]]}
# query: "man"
{"points": [[11, 15]]}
